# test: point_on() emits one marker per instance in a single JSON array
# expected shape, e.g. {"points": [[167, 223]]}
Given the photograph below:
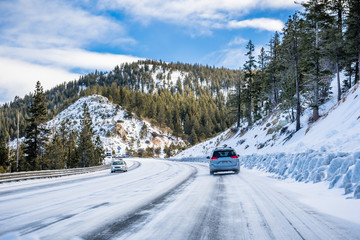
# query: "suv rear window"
{"points": [[224, 153], [118, 163]]}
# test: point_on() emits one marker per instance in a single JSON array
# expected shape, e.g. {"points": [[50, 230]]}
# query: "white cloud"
{"points": [[41, 23], [22, 67], [201, 13], [44, 40], [67, 58], [18, 78], [237, 41], [258, 23], [233, 58]]}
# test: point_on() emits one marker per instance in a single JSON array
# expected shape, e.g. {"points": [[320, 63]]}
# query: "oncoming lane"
{"points": [[74, 206]]}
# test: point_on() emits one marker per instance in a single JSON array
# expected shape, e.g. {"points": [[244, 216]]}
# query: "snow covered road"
{"points": [[162, 200]]}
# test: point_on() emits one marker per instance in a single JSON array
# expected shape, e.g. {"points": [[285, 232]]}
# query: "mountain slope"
{"points": [[327, 150], [337, 130], [116, 127]]}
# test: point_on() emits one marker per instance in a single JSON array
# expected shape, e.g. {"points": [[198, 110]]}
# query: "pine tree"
{"points": [[334, 38], [85, 149], [64, 135], [160, 112], [36, 134], [176, 122], [273, 71], [99, 151], [71, 150], [143, 131], [23, 164], [249, 68], [4, 155], [55, 153], [291, 43], [352, 34], [235, 101], [179, 86], [188, 124], [317, 19], [193, 139], [263, 64]]}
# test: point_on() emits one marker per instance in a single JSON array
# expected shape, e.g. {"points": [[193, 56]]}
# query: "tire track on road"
{"points": [[305, 225], [68, 214], [138, 215], [207, 226]]}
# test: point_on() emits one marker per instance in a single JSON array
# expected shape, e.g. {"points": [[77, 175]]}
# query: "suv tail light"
{"points": [[213, 158], [234, 156]]}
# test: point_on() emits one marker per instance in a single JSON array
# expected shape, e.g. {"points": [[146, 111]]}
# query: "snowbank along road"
{"points": [[160, 199]]}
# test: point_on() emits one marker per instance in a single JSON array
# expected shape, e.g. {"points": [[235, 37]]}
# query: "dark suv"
{"points": [[224, 159]]}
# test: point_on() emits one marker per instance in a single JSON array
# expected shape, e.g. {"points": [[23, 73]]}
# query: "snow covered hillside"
{"points": [[120, 132], [326, 150]]}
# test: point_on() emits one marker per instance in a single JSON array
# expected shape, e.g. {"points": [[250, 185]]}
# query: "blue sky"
{"points": [[57, 41]]}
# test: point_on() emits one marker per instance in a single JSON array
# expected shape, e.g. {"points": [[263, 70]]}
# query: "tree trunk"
{"points": [[298, 108], [316, 95], [358, 65], [239, 105], [249, 114], [9, 152], [239, 114], [250, 102], [350, 73], [338, 79], [275, 92], [316, 113], [17, 141], [316, 83], [357, 74]]}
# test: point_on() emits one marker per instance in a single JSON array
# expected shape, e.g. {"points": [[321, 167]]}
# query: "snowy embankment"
{"points": [[340, 170], [327, 150]]}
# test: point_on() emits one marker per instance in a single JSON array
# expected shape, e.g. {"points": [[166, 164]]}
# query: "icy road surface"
{"points": [[162, 200]]}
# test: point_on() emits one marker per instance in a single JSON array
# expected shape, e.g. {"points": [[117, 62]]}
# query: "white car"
{"points": [[118, 165]]}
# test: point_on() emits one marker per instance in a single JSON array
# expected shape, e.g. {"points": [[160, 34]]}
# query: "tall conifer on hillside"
{"points": [[36, 134], [317, 18], [249, 69], [86, 147], [235, 101], [273, 71], [352, 34], [99, 151], [293, 35], [335, 40], [55, 152], [262, 79], [4, 155]]}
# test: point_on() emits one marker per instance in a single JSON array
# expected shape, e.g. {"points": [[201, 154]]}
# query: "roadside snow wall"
{"points": [[341, 170]]}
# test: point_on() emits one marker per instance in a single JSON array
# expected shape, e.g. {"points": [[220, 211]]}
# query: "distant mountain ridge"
{"points": [[132, 84]]}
